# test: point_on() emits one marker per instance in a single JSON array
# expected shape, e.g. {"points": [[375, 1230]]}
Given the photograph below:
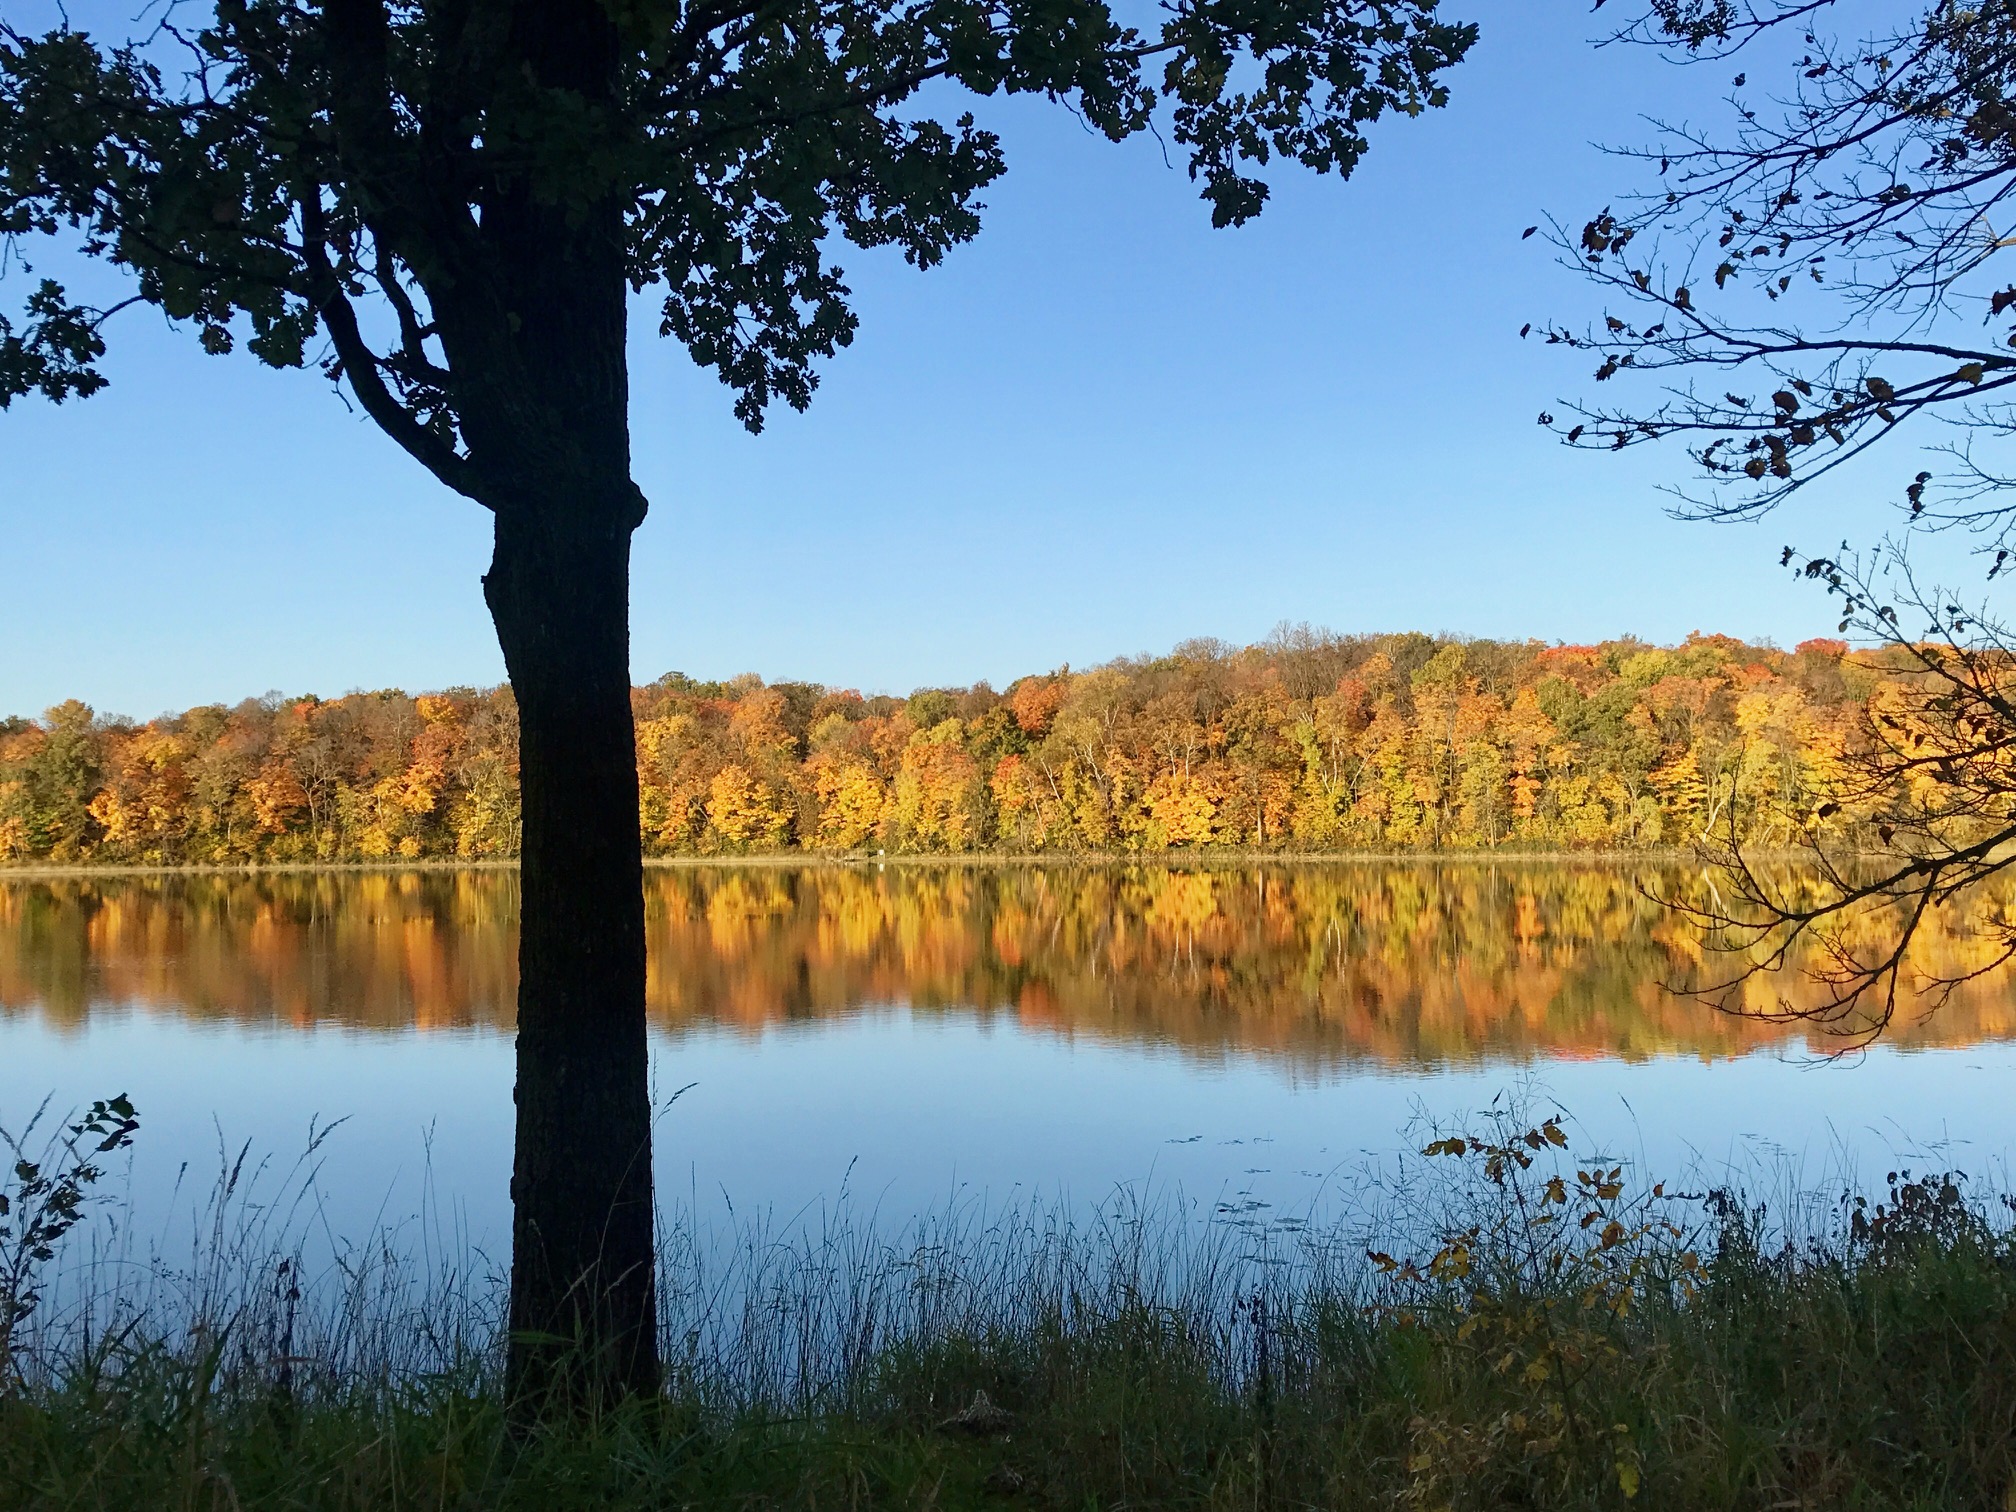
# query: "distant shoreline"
{"points": [[812, 860]]}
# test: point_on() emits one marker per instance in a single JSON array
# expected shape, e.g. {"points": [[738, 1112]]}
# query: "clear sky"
{"points": [[1101, 429]]}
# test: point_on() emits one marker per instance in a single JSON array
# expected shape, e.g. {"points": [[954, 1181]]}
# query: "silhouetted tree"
{"points": [[447, 204], [1822, 277]]}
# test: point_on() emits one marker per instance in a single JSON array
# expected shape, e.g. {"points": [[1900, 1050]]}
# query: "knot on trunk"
{"points": [[568, 503]]}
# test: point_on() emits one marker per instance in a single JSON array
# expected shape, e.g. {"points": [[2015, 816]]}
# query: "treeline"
{"points": [[1309, 742]]}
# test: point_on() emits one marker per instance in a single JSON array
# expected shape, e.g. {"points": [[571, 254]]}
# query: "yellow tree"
{"points": [[939, 801], [850, 798], [744, 812]]}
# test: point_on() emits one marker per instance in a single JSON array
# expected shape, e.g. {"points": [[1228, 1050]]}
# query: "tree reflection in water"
{"points": [[1409, 964]]}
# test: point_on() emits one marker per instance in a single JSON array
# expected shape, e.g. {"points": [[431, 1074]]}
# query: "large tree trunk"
{"points": [[583, 1296], [539, 339]]}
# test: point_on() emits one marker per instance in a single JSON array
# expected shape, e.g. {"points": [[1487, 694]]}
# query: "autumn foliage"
{"points": [[1469, 961], [1308, 742]]}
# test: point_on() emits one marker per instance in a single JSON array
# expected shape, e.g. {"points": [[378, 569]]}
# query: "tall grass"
{"points": [[1495, 1324]]}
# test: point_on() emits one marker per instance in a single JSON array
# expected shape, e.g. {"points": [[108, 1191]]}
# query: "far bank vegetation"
{"points": [[1308, 742]]}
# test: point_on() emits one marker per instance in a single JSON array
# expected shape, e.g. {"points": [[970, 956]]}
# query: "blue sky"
{"points": [[1101, 429]]}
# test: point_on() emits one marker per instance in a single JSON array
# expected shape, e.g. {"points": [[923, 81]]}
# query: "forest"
{"points": [[1308, 742]]}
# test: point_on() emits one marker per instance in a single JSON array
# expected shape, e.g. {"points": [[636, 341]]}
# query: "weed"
{"points": [[1559, 1336]]}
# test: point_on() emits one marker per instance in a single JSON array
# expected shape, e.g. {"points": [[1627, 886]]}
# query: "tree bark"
{"points": [[537, 338], [583, 1293]]}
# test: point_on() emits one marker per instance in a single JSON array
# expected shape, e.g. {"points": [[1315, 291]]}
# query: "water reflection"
{"points": [[1405, 964]]}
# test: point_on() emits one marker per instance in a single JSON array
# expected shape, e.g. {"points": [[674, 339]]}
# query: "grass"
{"points": [[1549, 1335]]}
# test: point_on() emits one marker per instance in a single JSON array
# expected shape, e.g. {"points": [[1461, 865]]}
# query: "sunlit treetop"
{"points": [[348, 181]]}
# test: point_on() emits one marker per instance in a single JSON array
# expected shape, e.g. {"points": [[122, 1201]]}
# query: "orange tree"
{"points": [[447, 206]]}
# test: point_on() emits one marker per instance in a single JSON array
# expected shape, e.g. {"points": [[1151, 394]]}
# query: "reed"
{"points": [[1537, 1330]]}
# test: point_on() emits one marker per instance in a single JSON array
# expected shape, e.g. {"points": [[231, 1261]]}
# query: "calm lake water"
{"points": [[901, 1036]]}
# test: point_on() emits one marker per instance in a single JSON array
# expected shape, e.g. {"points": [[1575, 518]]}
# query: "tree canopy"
{"points": [[314, 180]]}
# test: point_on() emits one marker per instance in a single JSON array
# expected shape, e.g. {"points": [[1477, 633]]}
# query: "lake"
{"points": [[897, 1036]]}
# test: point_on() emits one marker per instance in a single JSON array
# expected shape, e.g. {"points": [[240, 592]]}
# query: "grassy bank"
{"points": [[1552, 1335]]}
